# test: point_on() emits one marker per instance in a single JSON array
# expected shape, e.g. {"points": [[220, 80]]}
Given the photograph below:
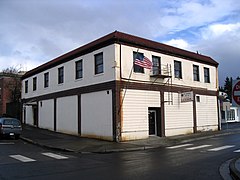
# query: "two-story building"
{"points": [[98, 91]]}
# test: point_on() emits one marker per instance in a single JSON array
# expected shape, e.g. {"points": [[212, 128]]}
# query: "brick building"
{"points": [[4, 93], [10, 90]]}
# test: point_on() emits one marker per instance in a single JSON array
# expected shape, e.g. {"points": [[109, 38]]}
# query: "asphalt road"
{"points": [[195, 160]]}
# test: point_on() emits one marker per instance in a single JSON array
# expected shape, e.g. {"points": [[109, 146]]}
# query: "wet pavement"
{"points": [[71, 143]]}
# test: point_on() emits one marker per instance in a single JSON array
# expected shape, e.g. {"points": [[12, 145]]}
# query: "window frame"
{"points": [[206, 75], [98, 63], [26, 86], [196, 75], [156, 69], [46, 79], [178, 72], [34, 83], [137, 68], [61, 75], [79, 70]]}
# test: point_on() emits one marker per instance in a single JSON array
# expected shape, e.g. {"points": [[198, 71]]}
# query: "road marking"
{"points": [[198, 147], [179, 146], [221, 148], [22, 158], [237, 151], [55, 156], [7, 143]]}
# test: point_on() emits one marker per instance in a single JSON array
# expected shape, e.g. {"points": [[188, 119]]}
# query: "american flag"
{"points": [[143, 62]]}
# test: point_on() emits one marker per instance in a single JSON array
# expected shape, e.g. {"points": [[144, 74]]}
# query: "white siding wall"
{"points": [[89, 76], [96, 115], [187, 68], [207, 113], [178, 116], [29, 115], [46, 114], [67, 121], [135, 112]]}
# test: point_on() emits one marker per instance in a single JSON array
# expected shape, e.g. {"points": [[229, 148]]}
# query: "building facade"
{"points": [[97, 91]]}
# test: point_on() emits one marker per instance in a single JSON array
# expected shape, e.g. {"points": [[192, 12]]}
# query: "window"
{"points": [[60, 75], [156, 65], [46, 79], [78, 69], [98, 63], [34, 83], [195, 73], [206, 75], [231, 114], [178, 69], [137, 69], [198, 98], [26, 86]]}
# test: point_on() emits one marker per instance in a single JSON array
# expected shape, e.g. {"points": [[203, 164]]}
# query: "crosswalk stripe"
{"points": [[22, 158], [221, 148], [55, 156], [198, 147], [237, 151], [179, 146]]}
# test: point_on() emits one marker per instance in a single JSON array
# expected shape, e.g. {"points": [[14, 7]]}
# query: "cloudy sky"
{"points": [[33, 32]]}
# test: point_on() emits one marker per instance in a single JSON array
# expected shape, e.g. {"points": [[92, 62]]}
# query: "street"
{"points": [[195, 160]]}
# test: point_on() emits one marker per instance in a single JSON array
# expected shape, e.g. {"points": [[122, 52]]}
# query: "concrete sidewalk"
{"points": [[64, 142]]}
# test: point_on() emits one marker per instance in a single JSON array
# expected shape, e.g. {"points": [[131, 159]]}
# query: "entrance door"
{"points": [[35, 115], [152, 119]]}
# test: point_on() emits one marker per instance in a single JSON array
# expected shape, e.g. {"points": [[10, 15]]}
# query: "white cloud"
{"points": [[18, 62], [218, 30], [180, 43], [185, 14]]}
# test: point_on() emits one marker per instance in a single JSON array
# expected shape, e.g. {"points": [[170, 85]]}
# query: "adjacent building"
{"points": [[98, 91], [10, 93], [229, 113], [5, 94]]}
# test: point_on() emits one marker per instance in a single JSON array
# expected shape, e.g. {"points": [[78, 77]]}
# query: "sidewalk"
{"points": [[64, 142]]}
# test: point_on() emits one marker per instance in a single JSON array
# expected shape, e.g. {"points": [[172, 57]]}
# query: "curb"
{"points": [[84, 152], [235, 174], [140, 148], [45, 146]]}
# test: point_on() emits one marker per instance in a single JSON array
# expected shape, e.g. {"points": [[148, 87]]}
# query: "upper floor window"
{"points": [[26, 86], [195, 73], [46, 79], [98, 63], [79, 69], [178, 69], [136, 68], [156, 65], [60, 75], [206, 75], [34, 83]]}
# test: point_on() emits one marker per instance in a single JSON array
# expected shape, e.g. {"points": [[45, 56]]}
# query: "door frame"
{"points": [[35, 115], [155, 122], [159, 131]]}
